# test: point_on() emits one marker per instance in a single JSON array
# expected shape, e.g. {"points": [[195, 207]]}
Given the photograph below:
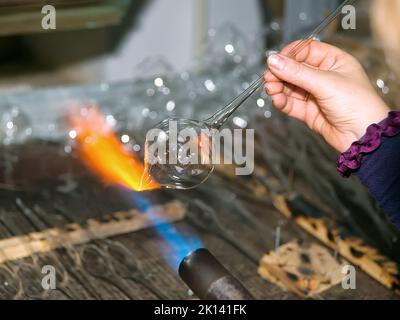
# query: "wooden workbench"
{"points": [[38, 199]]}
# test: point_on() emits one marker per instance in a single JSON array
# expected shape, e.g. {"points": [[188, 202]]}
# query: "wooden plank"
{"points": [[353, 249], [304, 268], [36, 3], [118, 223], [29, 20]]}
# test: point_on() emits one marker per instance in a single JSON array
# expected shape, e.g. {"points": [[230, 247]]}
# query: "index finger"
{"points": [[290, 51]]}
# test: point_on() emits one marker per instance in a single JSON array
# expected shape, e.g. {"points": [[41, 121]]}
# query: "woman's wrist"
{"points": [[360, 128], [371, 117], [351, 160]]}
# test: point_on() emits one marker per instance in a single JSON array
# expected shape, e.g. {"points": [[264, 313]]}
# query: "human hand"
{"points": [[328, 90]]}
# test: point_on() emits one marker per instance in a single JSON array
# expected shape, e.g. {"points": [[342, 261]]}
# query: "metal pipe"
{"points": [[209, 279]]}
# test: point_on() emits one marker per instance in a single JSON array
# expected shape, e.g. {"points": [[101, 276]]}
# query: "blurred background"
{"points": [[104, 40]]}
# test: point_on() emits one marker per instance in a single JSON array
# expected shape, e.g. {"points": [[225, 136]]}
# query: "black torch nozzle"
{"points": [[209, 279]]}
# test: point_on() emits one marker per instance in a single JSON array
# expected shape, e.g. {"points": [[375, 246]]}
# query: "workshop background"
{"points": [[285, 232]]}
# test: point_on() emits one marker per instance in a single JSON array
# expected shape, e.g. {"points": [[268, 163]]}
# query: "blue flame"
{"points": [[180, 245]]}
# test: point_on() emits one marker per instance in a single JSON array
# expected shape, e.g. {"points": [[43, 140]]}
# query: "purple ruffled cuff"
{"points": [[351, 160]]}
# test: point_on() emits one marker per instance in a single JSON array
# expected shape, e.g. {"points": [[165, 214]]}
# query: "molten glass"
{"points": [[100, 150]]}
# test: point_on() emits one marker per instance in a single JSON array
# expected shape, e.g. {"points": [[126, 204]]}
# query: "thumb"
{"points": [[296, 73]]}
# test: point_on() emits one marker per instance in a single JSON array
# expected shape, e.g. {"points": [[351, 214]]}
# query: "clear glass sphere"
{"points": [[178, 153]]}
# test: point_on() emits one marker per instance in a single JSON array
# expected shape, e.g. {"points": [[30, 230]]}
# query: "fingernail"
{"points": [[275, 61]]}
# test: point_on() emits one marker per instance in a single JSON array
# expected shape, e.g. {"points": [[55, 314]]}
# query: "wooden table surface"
{"points": [[238, 236]]}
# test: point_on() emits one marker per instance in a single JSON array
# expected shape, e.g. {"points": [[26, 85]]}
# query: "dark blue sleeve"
{"points": [[380, 173]]}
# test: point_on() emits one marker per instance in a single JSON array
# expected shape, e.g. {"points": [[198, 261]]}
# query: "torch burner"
{"points": [[209, 279]]}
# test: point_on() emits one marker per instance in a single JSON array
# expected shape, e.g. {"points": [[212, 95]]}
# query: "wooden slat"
{"points": [[25, 20], [36, 3], [305, 268], [117, 223], [353, 249]]}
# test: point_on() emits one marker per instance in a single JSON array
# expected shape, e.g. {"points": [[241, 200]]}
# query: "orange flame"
{"points": [[101, 151]]}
